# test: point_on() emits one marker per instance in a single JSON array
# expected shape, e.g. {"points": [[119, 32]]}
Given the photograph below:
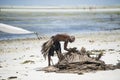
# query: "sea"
{"points": [[51, 23]]}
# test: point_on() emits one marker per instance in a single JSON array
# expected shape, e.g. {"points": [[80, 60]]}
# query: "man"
{"points": [[53, 44]]}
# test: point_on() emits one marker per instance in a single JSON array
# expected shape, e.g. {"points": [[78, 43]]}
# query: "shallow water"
{"points": [[53, 23]]}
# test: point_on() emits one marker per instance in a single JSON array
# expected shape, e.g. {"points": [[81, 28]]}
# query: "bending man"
{"points": [[53, 44]]}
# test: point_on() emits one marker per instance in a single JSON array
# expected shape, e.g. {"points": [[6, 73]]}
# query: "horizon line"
{"points": [[80, 6]]}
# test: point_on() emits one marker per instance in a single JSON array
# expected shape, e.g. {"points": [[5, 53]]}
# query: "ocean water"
{"points": [[46, 23]]}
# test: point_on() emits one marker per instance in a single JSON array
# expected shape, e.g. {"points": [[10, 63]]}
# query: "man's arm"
{"points": [[65, 46]]}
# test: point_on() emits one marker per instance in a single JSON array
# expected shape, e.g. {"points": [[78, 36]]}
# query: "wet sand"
{"points": [[20, 58]]}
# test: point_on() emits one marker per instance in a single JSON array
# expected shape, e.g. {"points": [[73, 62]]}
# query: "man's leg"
{"points": [[57, 47], [51, 53]]}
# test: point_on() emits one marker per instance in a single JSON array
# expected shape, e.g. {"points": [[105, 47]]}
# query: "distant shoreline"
{"points": [[60, 9], [44, 37]]}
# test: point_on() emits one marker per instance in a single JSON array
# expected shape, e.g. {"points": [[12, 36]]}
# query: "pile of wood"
{"points": [[76, 61]]}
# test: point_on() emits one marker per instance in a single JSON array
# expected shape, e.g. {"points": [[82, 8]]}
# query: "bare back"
{"points": [[61, 37]]}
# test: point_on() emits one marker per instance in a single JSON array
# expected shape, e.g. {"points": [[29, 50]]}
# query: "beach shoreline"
{"points": [[19, 58]]}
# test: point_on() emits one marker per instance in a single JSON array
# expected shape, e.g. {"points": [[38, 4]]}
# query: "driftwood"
{"points": [[79, 62]]}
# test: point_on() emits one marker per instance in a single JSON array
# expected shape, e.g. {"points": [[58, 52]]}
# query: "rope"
{"points": [[37, 34]]}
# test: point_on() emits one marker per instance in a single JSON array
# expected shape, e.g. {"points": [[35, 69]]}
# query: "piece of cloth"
{"points": [[46, 47]]}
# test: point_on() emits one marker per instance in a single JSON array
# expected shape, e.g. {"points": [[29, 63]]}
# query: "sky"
{"points": [[57, 2]]}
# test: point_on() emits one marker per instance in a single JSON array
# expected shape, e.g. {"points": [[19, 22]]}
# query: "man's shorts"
{"points": [[55, 47]]}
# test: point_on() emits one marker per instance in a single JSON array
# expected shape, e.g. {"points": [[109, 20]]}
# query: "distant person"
{"points": [[53, 45]]}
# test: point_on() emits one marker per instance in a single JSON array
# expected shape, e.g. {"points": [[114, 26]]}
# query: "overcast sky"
{"points": [[58, 2]]}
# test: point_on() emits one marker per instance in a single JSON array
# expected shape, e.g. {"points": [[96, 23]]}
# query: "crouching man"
{"points": [[53, 45]]}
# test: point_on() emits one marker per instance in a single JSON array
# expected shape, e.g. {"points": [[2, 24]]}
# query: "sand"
{"points": [[20, 58]]}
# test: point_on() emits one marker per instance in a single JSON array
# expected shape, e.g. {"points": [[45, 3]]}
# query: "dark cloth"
{"points": [[55, 47]]}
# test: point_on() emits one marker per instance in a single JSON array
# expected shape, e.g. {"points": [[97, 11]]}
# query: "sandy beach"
{"points": [[20, 58]]}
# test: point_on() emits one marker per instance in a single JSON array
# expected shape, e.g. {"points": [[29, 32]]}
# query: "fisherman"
{"points": [[53, 44]]}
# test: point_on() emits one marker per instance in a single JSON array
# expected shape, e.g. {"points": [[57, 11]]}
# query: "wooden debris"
{"points": [[12, 77], [76, 61], [28, 61]]}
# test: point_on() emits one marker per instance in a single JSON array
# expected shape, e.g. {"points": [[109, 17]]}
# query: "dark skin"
{"points": [[61, 37]]}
